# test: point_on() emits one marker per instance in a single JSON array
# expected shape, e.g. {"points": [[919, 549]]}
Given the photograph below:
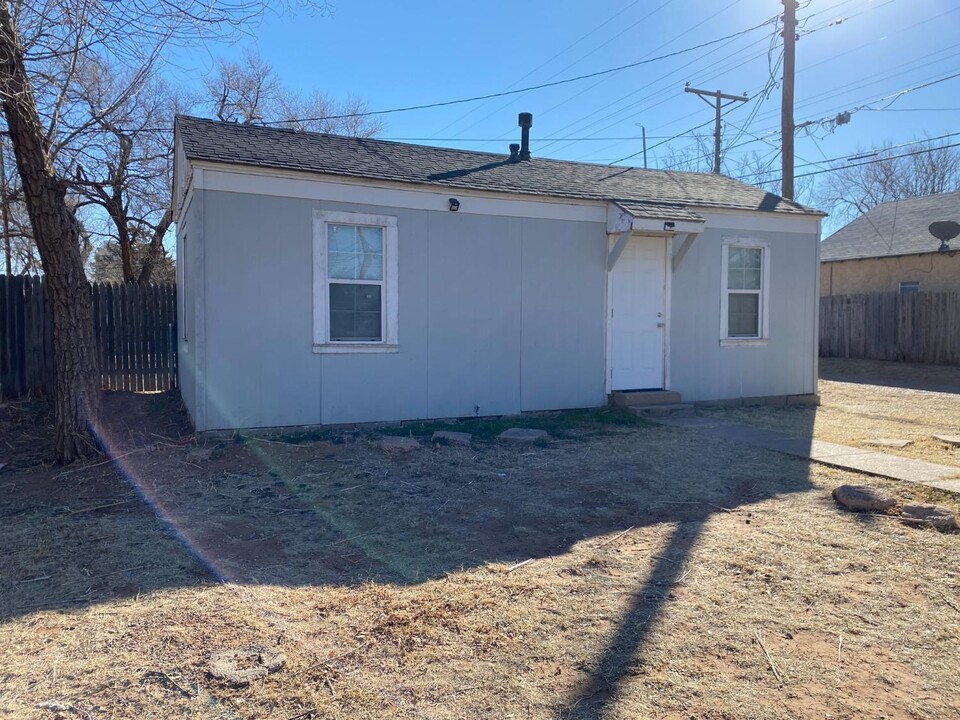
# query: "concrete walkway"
{"points": [[845, 457]]}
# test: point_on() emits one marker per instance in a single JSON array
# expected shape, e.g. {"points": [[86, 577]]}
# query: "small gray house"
{"points": [[326, 279]]}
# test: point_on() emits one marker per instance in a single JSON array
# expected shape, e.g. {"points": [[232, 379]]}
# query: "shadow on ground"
{"points": [[339, 511], [934, 378]]}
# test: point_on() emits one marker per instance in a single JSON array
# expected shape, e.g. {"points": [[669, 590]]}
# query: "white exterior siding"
{"points": [[784, 364], [502, 307], [471, 286], [189, 302]]}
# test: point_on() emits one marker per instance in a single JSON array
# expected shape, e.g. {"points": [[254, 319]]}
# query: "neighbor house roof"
{"points": [[278, 148], [898, 227]]}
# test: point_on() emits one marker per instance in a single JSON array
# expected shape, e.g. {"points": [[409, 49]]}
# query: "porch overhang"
{"points": [[627, 217]]}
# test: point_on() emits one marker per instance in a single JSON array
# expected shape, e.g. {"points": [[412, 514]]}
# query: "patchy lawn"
{"points": [[863, 400], [671, 577]]}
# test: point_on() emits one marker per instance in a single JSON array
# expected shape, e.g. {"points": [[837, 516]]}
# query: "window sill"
{"points": [[354, 348], [737, 342]]}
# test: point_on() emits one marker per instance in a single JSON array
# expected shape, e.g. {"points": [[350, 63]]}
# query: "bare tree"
{"points": [[245, 92], [44, 46], [764, 171], [250, 92], [125, 164], [318, 113], [883, 174], [107, 263]]}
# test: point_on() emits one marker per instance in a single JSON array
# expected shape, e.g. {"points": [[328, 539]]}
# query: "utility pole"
{"points": [[787, 128], [643, 130], [717, 103]]}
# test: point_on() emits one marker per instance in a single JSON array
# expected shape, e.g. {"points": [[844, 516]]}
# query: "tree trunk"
{"points": [[57, 234], [156, 247]]}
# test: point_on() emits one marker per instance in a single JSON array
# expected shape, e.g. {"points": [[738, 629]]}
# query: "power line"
{"points": [[667, 92], [773, 45], [476, 98], [574, 63], [869, 162], [723, 9], [511, 139], [664, 142], [550, 60]]}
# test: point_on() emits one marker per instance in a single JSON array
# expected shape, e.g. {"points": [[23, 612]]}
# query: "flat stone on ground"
{"points": [[948, 439], [242, 666], [887, 442], [863, 498], [523, 435], [203, 454], [452, 437], [397, 443], [934, 515]]}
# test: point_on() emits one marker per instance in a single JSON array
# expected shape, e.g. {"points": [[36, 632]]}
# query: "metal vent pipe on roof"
{"points": [[525, 120], [514, 152]]}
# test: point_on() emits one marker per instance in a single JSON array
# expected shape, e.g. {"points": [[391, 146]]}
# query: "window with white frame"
{"points": [[743, 304], [355, 282]]}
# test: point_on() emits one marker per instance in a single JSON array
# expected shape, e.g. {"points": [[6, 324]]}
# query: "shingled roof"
{"points": [[898, 227], [285, 149]]}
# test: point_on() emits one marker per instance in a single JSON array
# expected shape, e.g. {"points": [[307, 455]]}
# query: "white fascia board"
{"points": [[650, 225], [384, 193], [759, 221]]}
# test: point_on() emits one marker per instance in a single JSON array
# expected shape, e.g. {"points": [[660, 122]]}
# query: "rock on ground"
{"points": [[397, 443], [523, 435], [888, 442], [454, 438], [863, 498], [241, 666], [203, 454], [933, 515], [948, 439]]}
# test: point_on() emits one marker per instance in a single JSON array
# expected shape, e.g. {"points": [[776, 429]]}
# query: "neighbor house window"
{"points": [[355, 282], [743, 303], [909, 288]]}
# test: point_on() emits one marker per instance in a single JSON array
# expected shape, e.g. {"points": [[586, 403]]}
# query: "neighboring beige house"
{"points": [[890, 249]]}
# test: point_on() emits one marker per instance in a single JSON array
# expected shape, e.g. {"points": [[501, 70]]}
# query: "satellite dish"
{"points": [[945, 230]]}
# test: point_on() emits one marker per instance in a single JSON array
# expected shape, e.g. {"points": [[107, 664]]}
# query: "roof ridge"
{"points": [[277, 128]]}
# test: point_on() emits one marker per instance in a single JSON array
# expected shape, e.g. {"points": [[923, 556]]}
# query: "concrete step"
{"points": [[634, 398], [676, 409]]}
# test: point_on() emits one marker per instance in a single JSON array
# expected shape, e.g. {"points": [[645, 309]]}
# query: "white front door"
{"points": [[637, 319]]}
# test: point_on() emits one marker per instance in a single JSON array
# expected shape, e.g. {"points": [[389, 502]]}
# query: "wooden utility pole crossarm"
{"points": [[717, 103]]}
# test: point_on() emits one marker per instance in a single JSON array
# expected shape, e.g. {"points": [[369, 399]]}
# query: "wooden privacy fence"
{"points": [[921, 328], [136, 330]]}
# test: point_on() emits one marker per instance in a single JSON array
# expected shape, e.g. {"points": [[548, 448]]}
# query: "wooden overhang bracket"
{"points": [[682, 247], [617, 249]]}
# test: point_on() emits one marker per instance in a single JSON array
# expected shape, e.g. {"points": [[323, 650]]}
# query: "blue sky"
{"points": [[394, 54]]}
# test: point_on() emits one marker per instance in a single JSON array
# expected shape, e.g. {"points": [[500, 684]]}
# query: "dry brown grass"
{"points": [[387, 581], [858, 403]]}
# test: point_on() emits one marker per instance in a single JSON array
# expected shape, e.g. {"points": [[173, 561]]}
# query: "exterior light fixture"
{"points": [[454, 204], [668, 225]]}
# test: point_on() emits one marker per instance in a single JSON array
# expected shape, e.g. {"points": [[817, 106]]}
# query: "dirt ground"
{"points": [[619, 570], [862, 400]]}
